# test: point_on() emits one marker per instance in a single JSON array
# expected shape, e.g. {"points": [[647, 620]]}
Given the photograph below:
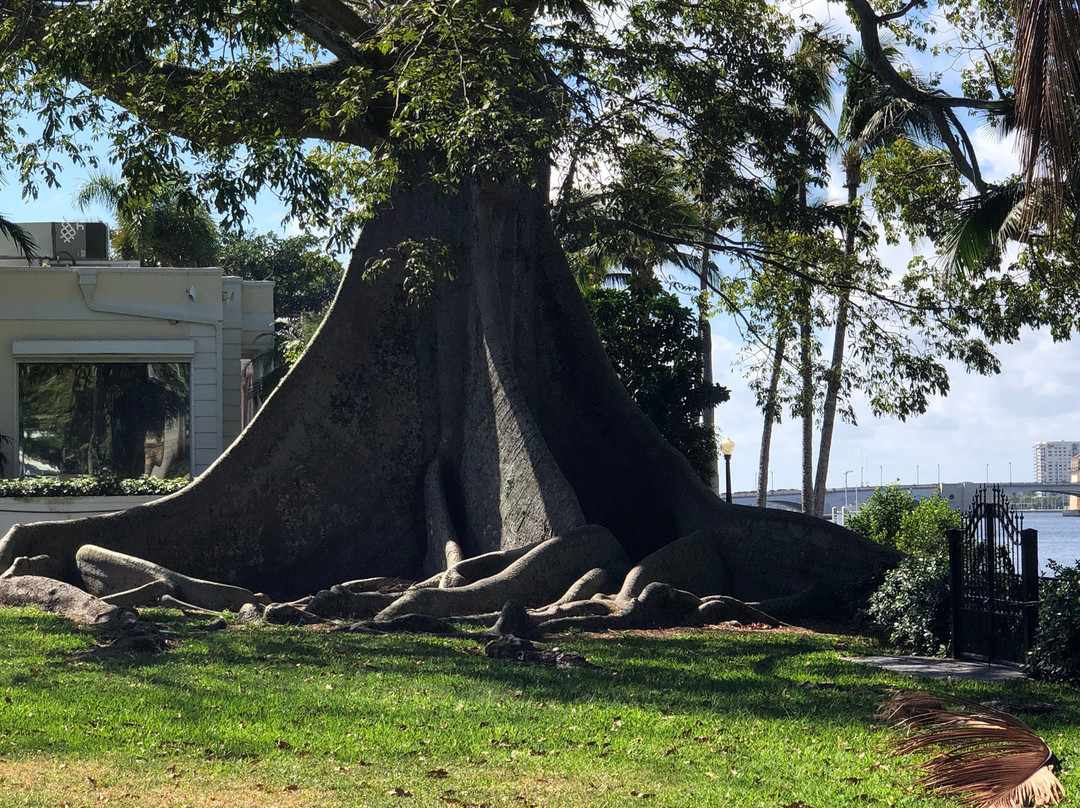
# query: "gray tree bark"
{"points": [[806, 396], [834, 376], [770, 410]]}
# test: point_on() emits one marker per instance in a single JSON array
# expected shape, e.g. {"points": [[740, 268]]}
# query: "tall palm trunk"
{"points": [[708, 415], [771, 409], [806, 397], [833, 377]]}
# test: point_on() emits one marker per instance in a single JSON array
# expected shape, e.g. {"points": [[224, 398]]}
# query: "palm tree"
{"points": [[985, 225], [1046, 79], [871, 117], [167, 226], [22, 240], [813, 71], [629, 229]]}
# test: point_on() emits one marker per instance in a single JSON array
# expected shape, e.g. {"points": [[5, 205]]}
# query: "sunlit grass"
{"points": [[293, 717]]}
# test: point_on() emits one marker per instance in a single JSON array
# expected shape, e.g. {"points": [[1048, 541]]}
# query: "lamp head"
{"points": [[727, 447]]}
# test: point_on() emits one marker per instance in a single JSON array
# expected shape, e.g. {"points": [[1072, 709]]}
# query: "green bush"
{"points": [[895, 518], [910, 609], [924, 531], [881, 517], [1055, 654], [89, 486]]}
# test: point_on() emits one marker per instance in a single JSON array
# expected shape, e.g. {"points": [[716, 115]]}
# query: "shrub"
{"points": [[89, 486], [923, 531], [1055, 654], [910, 609], [881, 517], [897, 519]]}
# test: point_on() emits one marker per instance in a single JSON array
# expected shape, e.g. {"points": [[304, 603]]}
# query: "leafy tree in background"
{"points": [[654, 345], [305, 279], [923, 531], [166, 224]]}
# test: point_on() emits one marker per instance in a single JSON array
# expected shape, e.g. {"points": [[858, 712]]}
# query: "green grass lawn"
{"points": [[294, 717]]}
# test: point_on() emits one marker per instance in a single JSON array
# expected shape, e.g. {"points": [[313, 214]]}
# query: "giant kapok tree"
{"points": [[456, 402]]}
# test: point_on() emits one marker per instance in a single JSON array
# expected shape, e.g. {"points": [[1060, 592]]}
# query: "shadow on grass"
{"points": [[769, 675]]}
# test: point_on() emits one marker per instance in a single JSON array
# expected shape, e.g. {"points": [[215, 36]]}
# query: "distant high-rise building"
{"points": [[1052, 460]]}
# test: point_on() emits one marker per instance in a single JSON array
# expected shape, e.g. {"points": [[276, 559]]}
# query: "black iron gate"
{"points": [[994, 567]]}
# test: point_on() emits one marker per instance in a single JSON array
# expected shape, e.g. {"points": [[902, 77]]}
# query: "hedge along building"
{"points": [[111, 368]]}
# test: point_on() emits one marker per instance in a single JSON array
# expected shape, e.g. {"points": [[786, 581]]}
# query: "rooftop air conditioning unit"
{"points": [[62, 242]]}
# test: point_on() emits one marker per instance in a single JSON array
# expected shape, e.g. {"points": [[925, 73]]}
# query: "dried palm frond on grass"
{"points": [[985, 758]]}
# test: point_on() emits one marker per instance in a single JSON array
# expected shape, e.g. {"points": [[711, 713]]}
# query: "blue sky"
{"points": [[986, 426]]}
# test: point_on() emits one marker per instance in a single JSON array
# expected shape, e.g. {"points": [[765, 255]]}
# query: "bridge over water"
{"points": [[958, 494]]}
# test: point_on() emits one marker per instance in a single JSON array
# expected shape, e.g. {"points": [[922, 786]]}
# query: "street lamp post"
{"points": [[846, 473], [727, 446]]}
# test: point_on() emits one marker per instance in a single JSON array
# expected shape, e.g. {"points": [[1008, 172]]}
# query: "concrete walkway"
{"points": [[939, 668]]}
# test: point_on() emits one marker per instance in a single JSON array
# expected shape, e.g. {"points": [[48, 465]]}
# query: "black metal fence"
{"points": [[994, 568]]}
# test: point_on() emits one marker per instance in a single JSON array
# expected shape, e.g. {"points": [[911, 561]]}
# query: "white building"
{"points": [[1052, 460], [111, 368]]}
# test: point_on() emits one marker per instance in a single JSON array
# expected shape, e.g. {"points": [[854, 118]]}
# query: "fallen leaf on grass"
{"points": [[438, 773], [399, 792]]}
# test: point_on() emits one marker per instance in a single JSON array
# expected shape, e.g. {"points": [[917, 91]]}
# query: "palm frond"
{"points": [[99, 189], [22, 240], [1047, 82], [985, 224], [985, 758]]}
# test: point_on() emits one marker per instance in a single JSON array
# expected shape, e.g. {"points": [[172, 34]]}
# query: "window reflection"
{"points": [[121, 419]]}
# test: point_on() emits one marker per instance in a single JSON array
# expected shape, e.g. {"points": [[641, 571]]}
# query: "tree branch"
{"points": [[334, 25], [896, 15], [868, 22], [276, 104]]}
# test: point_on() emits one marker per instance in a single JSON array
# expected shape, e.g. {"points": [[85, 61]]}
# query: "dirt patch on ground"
{"points": [[75, 785]]}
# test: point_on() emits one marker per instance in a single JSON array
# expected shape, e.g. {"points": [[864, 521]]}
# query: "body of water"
{"points": [[1059, 537]]}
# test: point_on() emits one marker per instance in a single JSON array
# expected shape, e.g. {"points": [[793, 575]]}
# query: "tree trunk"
{"points": [[806, 398], [771, 408], [834, 377], [708, 417], [484, 418]]}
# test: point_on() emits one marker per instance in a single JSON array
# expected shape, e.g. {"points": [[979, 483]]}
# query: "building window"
{"points": [[120, 419]]}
